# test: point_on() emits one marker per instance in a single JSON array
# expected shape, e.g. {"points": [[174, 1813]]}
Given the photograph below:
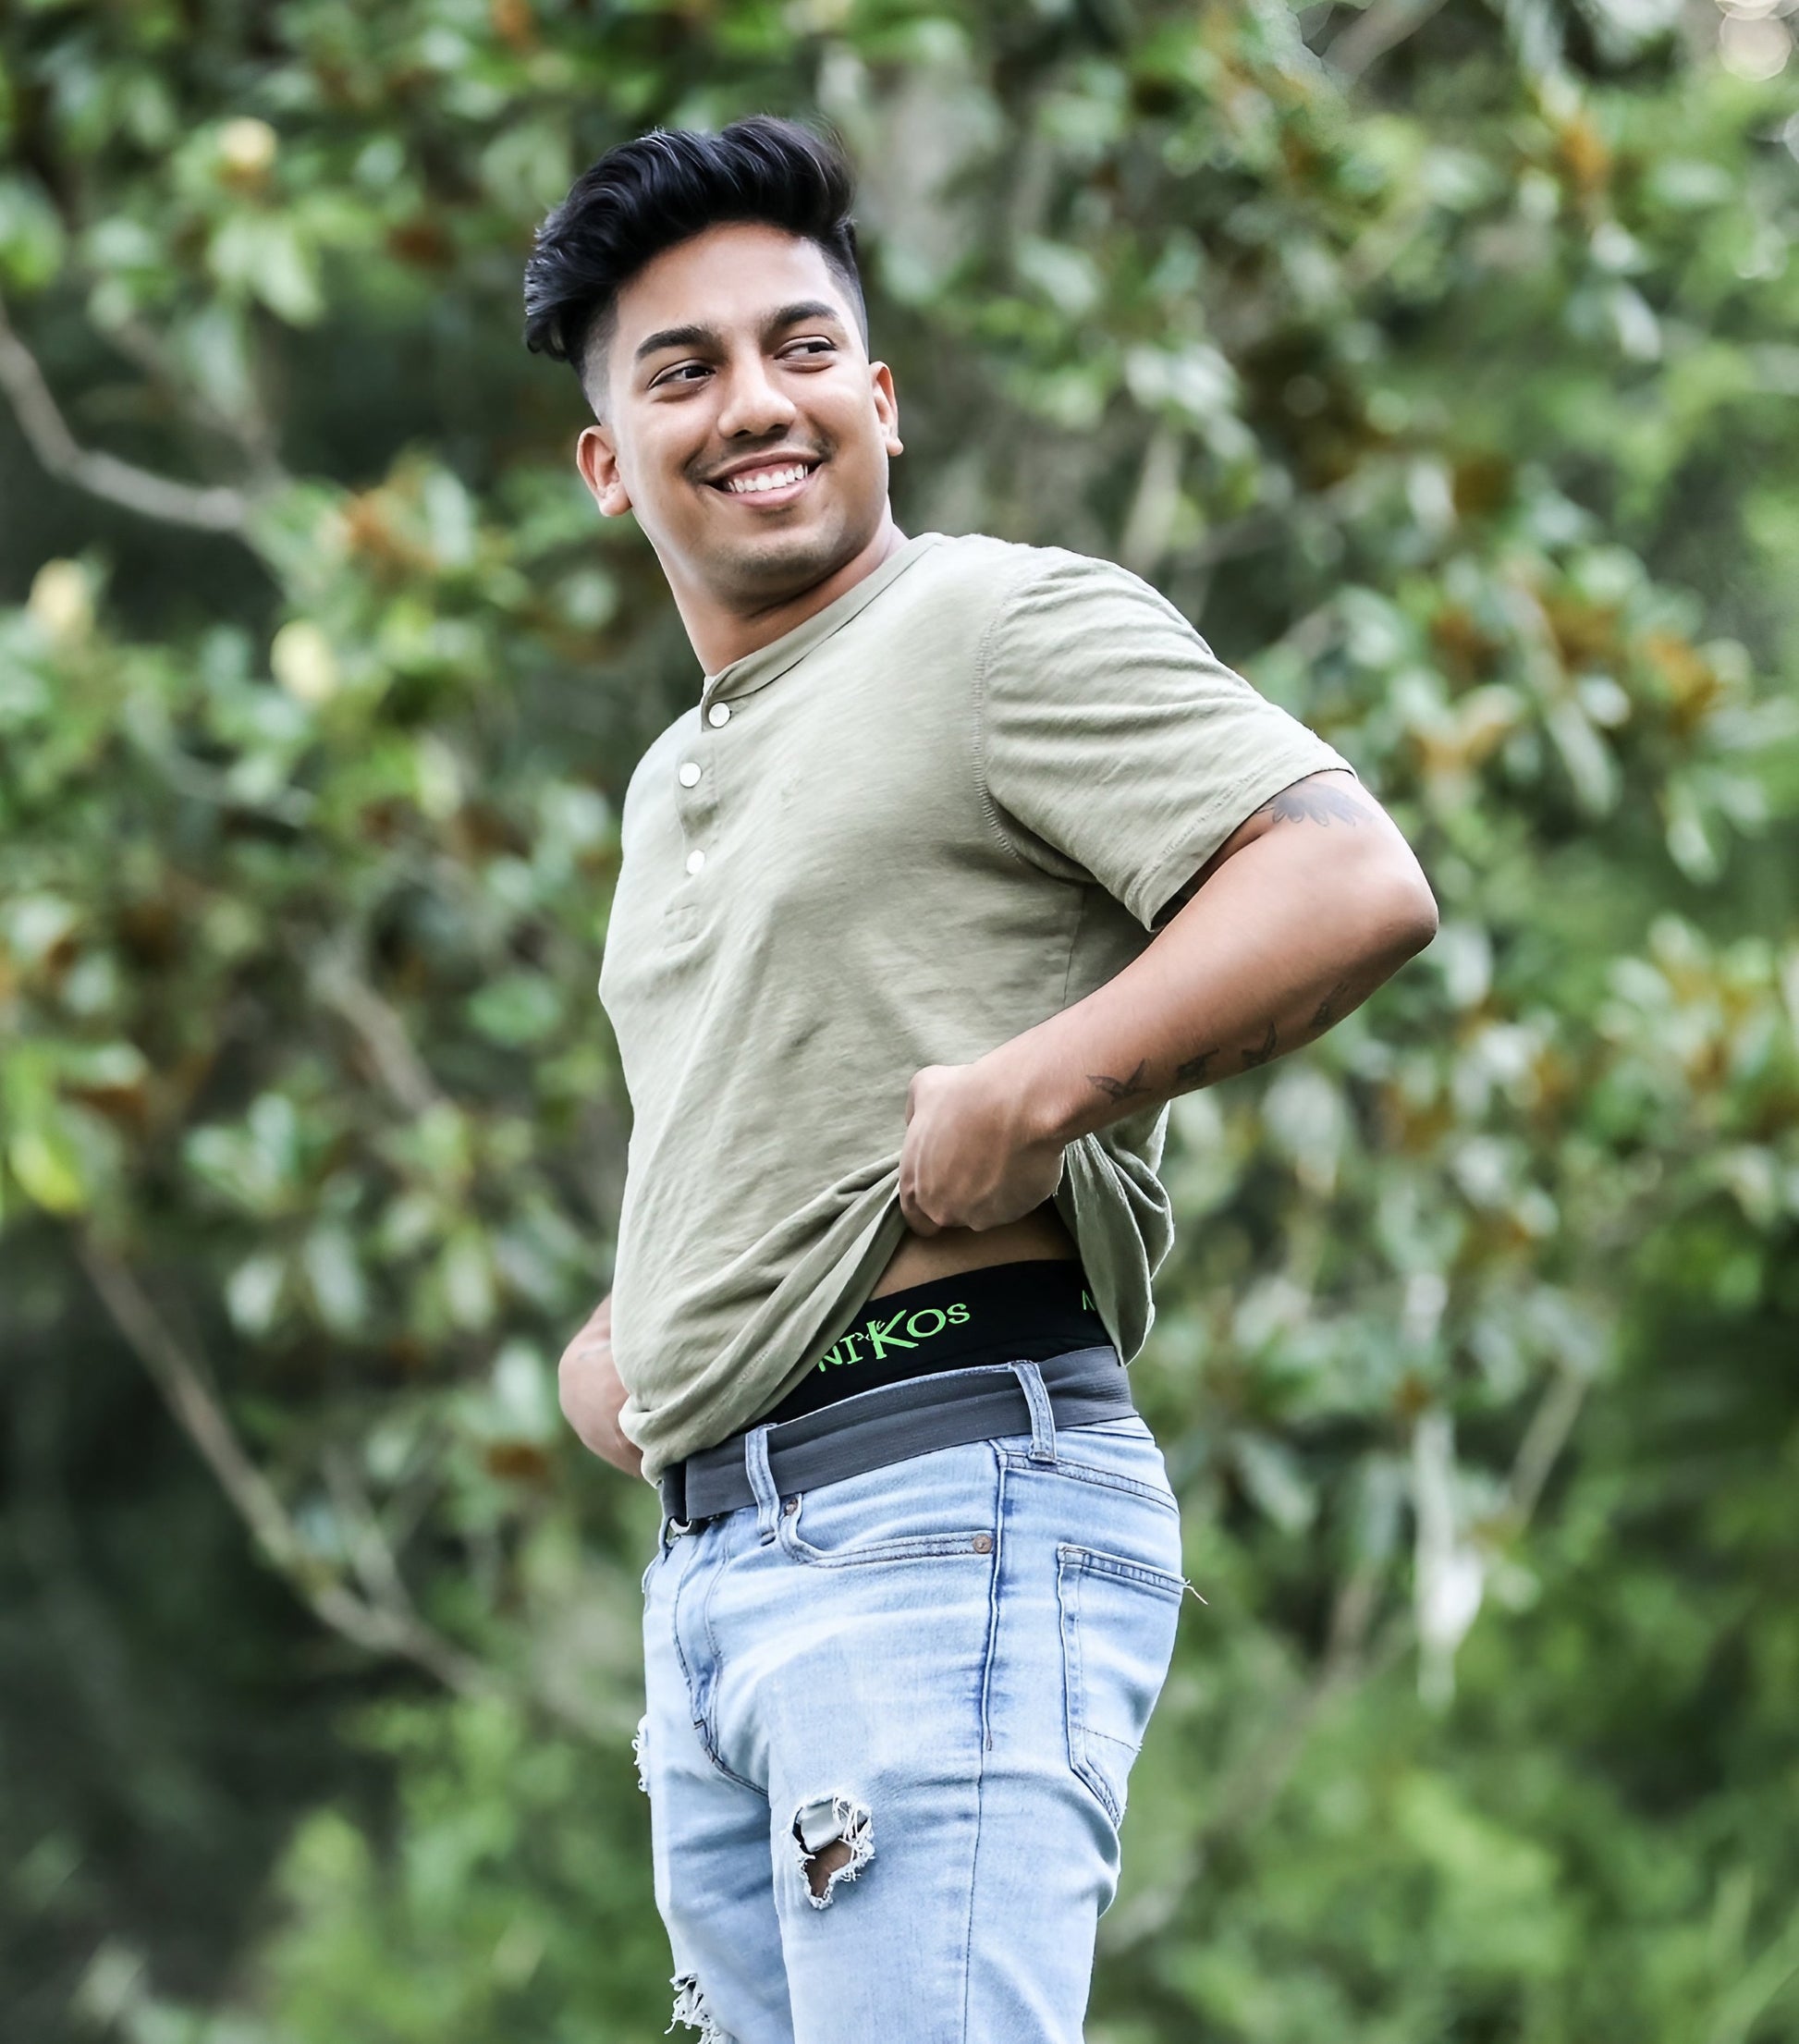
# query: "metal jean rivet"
{"points": [[984, 1543], [791, 1506]]}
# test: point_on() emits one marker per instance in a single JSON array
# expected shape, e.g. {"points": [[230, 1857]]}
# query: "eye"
{"points": [[813, 347], [678, 374]]}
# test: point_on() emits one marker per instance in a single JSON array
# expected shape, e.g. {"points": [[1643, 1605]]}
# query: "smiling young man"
{"points": [[969, 857]]}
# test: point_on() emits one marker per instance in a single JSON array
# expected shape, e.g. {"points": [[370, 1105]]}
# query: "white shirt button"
{"points": [[690, 772], [695, 860], [720, 712]]}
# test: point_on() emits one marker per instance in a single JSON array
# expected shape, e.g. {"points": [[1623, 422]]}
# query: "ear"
{"points": [[887, 406], [597, 459]]}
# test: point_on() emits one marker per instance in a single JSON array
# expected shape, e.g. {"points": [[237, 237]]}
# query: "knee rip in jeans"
{"points": [[640, 1750], [833, 1839], [690, 2008]]}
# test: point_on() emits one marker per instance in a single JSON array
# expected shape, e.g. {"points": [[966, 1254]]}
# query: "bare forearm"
{"points": [[1275, 947], [1296, 918]]}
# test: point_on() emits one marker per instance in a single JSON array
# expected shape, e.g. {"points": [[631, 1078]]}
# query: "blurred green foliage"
{"points": [[1442, 364]]}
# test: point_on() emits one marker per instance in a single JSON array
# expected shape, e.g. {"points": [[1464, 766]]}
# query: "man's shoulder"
{"points": [[984, 556], [989, 575], [1032, 603], [1024, 574]]}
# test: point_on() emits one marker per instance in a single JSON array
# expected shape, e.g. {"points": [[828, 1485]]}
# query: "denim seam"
{"points": [[1086, 1473], [709, 1731], [1073, 1565], [1098, 1562], [705, 1606], [919, 1546], [728, 1772], [700, 1721], [675, 1641], [1074, 1693], [996, 1564]]}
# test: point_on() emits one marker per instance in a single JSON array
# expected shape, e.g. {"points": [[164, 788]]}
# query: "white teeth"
{"points": [[764, 479]]}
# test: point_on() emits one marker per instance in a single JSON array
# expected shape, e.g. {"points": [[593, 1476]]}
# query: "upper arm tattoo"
{"points": [[1325, 798], [1320, 798]]}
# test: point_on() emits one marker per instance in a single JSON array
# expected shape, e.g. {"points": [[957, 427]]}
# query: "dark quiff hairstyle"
{"points": [[664, 188]]}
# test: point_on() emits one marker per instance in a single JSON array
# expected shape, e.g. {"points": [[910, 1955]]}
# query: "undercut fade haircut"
{"points": [[662, 188]]}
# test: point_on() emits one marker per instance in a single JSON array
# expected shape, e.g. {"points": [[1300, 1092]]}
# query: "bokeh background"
{"points": [[1439, 359]]}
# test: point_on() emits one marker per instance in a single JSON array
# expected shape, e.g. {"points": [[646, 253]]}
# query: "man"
{"points": [[969, 857]]}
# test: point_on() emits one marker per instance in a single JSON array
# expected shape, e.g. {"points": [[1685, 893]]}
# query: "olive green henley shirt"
{"points": [[946, 806]]}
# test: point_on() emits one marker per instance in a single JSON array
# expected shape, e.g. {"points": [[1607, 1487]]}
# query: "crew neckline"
{"points": [[754, 670]]}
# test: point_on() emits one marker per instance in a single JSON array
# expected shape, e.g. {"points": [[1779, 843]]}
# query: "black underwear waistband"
{"points": [[1004, 1312]]}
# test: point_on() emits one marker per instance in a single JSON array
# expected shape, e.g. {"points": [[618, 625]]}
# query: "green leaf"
{"points": [[520, 1008], [253, 1292], [334, 1276], [32, 238], [48, 1166], [264, 254]]}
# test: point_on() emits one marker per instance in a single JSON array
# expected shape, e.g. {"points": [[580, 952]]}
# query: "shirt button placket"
{"points": [[699, 810]]}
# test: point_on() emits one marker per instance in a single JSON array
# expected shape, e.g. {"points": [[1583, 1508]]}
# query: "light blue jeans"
{"points": [[890, 1724]]}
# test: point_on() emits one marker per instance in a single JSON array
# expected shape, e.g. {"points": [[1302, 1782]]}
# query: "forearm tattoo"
{"points": [[1259, 1054], [1197, 1070], [1122, 1089], [1194, 1071], [1328, 1009], [1326, 798]]}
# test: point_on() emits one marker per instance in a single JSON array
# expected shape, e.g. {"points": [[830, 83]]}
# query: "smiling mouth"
{"points": [[778, 483]]}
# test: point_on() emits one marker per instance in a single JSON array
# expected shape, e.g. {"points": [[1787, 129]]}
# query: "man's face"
{"points": [[735, 361]]}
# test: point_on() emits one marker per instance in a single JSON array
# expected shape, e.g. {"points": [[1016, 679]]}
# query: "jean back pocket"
{"points": [[1119, 1620]]}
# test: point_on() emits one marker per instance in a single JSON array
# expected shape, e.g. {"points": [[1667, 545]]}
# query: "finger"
{"points": [[914, 1216]]}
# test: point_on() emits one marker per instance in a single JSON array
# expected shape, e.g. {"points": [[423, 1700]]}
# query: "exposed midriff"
{"points": [[919, 1258]]}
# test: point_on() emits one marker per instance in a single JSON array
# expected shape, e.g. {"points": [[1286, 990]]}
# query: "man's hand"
{"points": [[970, 1159], [591, 1395], [1303, 910]]}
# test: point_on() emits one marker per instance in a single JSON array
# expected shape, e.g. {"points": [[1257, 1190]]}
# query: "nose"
{"points": [[754, 404]]}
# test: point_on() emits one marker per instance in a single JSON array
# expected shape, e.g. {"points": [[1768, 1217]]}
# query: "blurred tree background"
{"points": [[1440, 360]]}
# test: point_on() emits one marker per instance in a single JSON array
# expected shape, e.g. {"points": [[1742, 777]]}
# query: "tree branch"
{"points": [[1349, 1661], [383, 1622], [1544, 1440], [379, 1030], [210, 508], [1379, 28], [1151, 518], [249, 428], [1755, 1990]]}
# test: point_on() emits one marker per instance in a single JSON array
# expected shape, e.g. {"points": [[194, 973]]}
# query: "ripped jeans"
{"points": [[890, 1724]]}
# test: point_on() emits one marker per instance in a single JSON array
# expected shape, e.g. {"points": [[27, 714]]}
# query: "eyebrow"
{"points": [[709, 337]]}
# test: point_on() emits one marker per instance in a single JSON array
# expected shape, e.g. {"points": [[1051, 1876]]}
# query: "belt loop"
{"points": [[762, 1481], [1043, 1417]]}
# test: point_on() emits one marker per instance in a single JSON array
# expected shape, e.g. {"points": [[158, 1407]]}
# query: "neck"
{"points": [[720, 635]]}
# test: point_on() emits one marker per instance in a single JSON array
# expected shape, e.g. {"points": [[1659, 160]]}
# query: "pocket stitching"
{"points": [[1074, 1564], [1098, 1562], [911, 1547], [1087, 1473]]}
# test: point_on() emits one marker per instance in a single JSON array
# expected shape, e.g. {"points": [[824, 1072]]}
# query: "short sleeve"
{"points": [[1113, 741]]}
